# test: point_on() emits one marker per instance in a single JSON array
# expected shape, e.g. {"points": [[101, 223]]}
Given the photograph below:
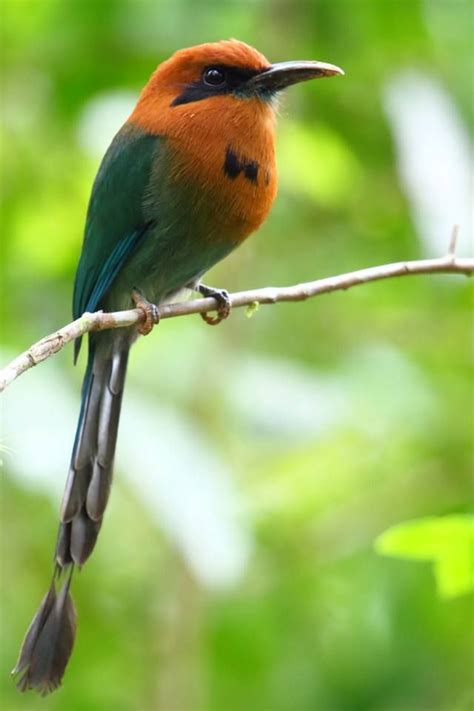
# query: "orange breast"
{"points": [[225, 145]]}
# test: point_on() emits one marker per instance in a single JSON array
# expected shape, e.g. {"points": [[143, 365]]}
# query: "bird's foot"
{"points": [[223, 299], [150, 311]]}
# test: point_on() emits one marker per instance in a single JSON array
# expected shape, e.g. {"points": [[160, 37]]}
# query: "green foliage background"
{"points": [[317, 620]]}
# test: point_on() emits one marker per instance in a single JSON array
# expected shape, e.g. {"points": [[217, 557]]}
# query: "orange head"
{"points": [[204, 75], [213, 103]]}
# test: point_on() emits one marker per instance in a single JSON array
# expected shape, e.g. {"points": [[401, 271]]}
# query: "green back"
{"points": [[115, 219]]}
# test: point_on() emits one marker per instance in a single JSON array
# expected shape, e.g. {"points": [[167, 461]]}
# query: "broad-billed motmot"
{"points": [[186, 179]]}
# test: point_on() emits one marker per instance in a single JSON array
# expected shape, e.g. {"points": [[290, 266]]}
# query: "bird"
{"points": [[189, 176]]}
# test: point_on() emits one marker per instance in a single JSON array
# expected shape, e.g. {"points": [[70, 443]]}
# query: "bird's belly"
{"points": [[180, 246]]}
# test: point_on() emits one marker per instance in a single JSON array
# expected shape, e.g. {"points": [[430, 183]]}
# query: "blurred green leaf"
{"points": [[447, 541]]}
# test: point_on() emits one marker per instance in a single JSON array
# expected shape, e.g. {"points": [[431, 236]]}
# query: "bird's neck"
{"points": [[226, 148]]}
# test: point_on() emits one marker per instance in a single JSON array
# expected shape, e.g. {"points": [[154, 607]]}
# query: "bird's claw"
{"points": [[223, 299], [150, 311]]}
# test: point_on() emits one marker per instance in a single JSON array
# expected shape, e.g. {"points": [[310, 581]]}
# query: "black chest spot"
{"points": [[234, 164]]}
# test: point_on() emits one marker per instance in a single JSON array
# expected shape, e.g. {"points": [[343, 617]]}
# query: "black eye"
{"points": [[214, 76]]}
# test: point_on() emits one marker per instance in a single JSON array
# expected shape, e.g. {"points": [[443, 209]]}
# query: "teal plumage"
{"points": [[115, 217]]}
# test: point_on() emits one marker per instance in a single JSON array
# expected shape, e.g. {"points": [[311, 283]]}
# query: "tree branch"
{"points": [[99, 321]]}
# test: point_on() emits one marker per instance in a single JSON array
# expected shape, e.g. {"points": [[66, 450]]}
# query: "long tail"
{"points": [[50, 638]]}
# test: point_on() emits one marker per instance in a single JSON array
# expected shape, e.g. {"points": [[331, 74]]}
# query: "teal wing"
{"points": [[116, 222]]}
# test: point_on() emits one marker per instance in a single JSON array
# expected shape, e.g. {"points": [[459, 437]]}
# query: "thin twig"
{"points": [[453, 243], [99, 321]]}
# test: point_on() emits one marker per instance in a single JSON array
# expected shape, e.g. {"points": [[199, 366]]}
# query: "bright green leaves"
{"points": [[447, 541]]}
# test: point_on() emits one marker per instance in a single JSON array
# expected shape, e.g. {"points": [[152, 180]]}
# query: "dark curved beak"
{"points": [[279, 76]]}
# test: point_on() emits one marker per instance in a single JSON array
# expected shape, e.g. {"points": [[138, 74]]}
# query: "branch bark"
{"points": [[99, 321]]}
